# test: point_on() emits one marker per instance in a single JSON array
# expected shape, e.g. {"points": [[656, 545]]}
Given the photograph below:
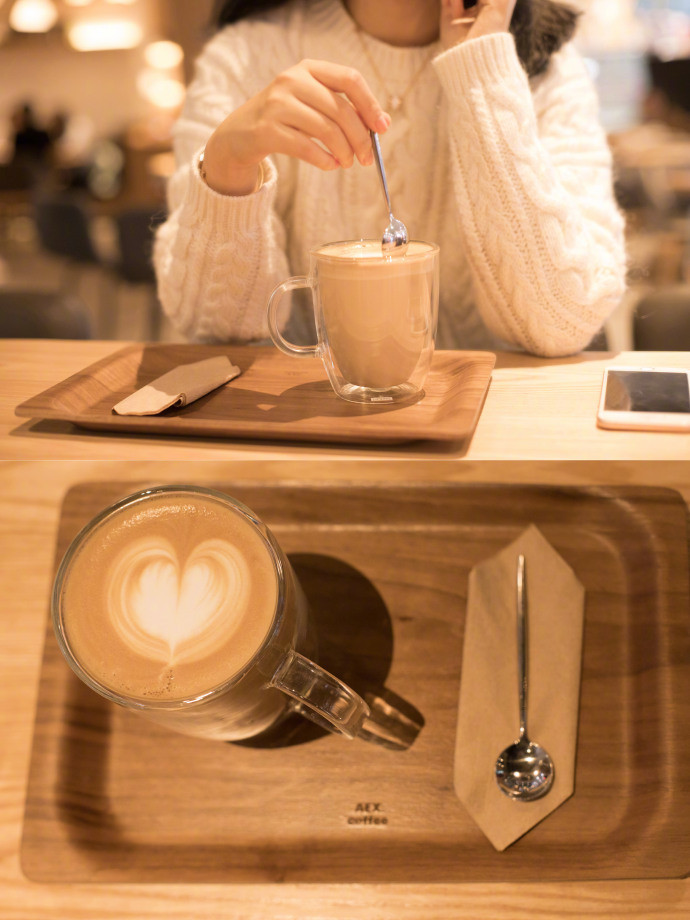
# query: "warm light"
{"points": [[163, 55], [145, 80], [163, 92], [33, 15], [168, 94], [77, 2], [104, 35], [123, 2]]}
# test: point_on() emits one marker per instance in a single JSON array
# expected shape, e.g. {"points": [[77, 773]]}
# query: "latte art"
{"points": [[169, 597], [170, 611]]}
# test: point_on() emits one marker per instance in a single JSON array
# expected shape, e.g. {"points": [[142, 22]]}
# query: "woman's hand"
{"points": [[485, 17], [316, 111]]}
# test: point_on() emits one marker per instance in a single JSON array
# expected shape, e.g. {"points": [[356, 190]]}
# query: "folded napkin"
{"points": [[179, 387], [488, 713]]}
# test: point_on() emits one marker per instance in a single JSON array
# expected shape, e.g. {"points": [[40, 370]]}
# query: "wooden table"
{"points": [[535, 409], [30, 497]]}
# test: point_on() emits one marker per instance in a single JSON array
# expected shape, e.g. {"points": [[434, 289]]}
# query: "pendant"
{"points": [[394, 103]]}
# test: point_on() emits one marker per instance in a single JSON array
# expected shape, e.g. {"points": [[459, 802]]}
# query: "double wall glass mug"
{"points": [[178, 603], [376, 316]]}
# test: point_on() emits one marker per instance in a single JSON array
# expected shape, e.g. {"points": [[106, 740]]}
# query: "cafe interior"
{"points": [[83, 188], [422, 533], [84, 160]]}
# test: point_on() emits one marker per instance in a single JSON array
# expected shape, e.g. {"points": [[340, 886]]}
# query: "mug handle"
{"points": [[322, 697], [333, 705], [289, 348]]}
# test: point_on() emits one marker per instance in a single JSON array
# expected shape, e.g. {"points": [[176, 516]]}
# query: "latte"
{"points": [[169, 596], [378, 310]]}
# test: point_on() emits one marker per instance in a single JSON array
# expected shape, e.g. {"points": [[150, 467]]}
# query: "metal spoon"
{"points": [[524, 771], [395, 236]]}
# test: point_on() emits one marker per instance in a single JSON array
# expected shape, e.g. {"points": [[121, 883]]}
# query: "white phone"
{"points": [[645, 398]]}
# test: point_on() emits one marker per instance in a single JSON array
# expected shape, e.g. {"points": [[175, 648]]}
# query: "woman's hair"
{"points": [[540, 27]]}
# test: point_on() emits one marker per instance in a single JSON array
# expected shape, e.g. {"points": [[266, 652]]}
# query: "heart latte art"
{"points": [[170, 596], [174, 611]]}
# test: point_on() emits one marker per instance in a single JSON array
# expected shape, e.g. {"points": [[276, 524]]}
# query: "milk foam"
{"points": [[371, 249], [170, 610], [169, 597]]}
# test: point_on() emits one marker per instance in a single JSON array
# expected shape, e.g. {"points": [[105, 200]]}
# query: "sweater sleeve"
{"points": [[218, 257], [533, 184]]}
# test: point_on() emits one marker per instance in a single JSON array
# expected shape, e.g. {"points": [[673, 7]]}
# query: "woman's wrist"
{"points": [[485, 61], [227, 179]]}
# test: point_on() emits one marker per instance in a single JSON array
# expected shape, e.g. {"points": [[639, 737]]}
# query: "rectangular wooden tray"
{"points": [[114, 798], [275, 397]]}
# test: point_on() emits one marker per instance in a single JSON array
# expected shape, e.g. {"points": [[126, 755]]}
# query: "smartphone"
{"points": [[645, 398]]}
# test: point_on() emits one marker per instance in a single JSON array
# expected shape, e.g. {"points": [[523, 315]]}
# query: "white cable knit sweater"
{"points": [[512, 177]]}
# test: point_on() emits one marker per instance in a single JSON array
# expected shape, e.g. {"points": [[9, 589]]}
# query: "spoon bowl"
{"points": [[395, 237], [523, 771]]}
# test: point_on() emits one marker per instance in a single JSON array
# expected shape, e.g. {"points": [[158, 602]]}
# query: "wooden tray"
{"points": [[276, 397], [112, 797]]}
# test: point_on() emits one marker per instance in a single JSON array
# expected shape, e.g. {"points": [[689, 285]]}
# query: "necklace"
{"points": [[394, 101]]}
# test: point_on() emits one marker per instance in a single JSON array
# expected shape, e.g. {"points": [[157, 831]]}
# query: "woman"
{"points": [[492, 145]]}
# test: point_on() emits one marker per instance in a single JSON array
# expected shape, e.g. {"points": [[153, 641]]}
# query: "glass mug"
{"points": [[178, 603], [375, 315]]}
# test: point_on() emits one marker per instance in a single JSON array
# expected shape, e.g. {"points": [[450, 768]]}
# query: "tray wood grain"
{"points": [[276, 397], [113, 798]]}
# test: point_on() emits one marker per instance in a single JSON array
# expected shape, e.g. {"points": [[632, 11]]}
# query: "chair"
{"points": [[64, 230], [15, 177], [28, 314], [16, 182], [135, 231], [661, 321]]}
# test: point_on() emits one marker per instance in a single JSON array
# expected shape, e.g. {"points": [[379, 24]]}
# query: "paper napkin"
{"points": [[488, 713], [179, 387]]}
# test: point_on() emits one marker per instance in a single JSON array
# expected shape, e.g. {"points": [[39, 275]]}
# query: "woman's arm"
{"points": [[222, 250], [533, 183], [218, 257]]}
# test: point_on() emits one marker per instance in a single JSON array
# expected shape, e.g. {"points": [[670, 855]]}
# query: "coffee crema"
{"points": [[377, 309], [169, 596]]}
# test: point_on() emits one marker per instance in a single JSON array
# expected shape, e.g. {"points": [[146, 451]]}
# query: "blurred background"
{"points": [[89, 90]]}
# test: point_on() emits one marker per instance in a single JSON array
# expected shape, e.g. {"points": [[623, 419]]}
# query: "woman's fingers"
{"points": [[295, 143], [328, 132], [340, 114], [340, 96], [456, 9], [498, 11], [351, 83], [316, 111], [483, 18]]}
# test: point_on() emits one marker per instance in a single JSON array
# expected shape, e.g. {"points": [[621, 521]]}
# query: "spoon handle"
{"points": [[521, 642], [382, 172]]}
